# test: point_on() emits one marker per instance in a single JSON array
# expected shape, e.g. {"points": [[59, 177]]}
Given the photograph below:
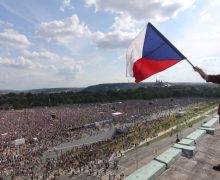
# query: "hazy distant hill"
{"points": [[116, 87], [126, 86], [46, 90], [54, 90], [106, 93], [106, 87], [8, 91]]}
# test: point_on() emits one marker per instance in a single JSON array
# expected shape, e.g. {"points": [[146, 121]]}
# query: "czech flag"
{"points": [[149, 53]]}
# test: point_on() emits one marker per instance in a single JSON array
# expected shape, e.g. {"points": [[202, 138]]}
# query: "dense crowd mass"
{"points": [[45, 127]]}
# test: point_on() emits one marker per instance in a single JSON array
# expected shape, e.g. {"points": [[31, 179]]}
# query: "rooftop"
{"points": [[181, 146], [196, 134], [147, 171], [211, 122], [169, 155], [200, 167], [187, 142]]}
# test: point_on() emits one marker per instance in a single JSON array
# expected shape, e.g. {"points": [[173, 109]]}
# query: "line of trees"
{"points": [[25, 100]]}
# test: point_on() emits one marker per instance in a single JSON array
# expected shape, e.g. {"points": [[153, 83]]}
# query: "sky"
{"points": [[77, 43]]}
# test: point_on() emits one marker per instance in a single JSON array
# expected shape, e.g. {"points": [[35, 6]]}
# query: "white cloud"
{"points": [[4, 24], [210, 64], [9, 38], [201, 38], [215, 3], [130, 16], [63, 31], [15, 11], [142, 9], [18, 63], [113, 40], [124, 30], [205, 17], [63, 66], [66, 4], [69, 68], [42, 55], [124, 22]]}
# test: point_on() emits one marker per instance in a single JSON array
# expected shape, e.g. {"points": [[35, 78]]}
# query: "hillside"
{"points": [[116, 87], [43, 90], [133, 86]]}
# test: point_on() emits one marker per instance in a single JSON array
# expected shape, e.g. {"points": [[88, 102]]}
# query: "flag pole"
{"points": [[190, 63]]}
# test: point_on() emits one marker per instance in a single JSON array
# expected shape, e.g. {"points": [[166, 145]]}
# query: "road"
{"points": [[86, 140]]}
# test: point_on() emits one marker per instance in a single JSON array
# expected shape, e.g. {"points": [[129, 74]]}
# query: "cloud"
{"points": [[63, 66], [131, 17], [124, 29], [63, 31], [69, 68], [18, 63], [215, 3], [124, 22], [210, 64], [64, 71], [142, 9], [41, 55], [201, 37], [66, 4], [16, 11], [5, 25], [113, 40], [205, 17], [9, 38]]}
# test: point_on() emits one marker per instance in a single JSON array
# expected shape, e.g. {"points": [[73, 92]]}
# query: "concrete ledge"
{"points": [[187, 151], [208, 130], [196, 135], [148, 172], [169, 156], [210, 123], [188, 142]]}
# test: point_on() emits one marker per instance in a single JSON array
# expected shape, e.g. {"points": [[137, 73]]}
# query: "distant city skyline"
{"points": [[70, 43]]}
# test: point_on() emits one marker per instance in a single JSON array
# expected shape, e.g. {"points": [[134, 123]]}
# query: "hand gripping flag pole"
{"points": [[149, 53]]}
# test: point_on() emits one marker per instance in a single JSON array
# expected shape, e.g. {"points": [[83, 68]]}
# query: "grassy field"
{"points": [[189, 114], [141, 131]]}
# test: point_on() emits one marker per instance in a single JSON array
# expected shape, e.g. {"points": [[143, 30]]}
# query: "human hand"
{"points": [[201, 72]]}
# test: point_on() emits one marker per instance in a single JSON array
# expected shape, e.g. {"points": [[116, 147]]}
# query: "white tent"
{"points": [[19, 141], [117, 114]]}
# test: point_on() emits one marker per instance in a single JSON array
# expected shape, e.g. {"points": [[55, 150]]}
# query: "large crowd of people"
{"points": [[46, 127]]}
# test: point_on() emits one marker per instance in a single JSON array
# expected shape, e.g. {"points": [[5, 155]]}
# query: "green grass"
{"points": [[197, 120], [212, 112], [172, 121], [168, 134], [189, 114]]}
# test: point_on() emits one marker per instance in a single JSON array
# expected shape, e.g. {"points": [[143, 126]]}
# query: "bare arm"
{"points": [[201, 72], [208, 78]]}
